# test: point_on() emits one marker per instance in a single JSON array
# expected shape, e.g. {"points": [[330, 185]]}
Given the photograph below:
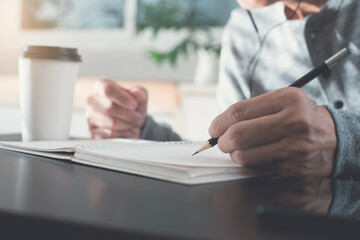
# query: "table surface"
{"points": [[70, 193]]}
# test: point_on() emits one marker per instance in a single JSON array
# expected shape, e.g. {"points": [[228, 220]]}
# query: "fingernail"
{"points": [[134, 89]]}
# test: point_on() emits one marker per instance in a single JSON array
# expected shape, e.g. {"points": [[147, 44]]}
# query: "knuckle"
{"points": [[235, 156], [295, 95], [222, 145], [235, 137], [113, 124], [90, 117], [113, 134], [237, 111], [301, 148], [108, 90], [241, 157], [245, 158], [110, 107], [298, 122], [302, 123]]}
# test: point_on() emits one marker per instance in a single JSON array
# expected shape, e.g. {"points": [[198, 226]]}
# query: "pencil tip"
{"points": [[195, 153]]}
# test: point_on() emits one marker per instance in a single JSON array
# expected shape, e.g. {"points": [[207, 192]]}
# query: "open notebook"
{"points": [[170, 161]]}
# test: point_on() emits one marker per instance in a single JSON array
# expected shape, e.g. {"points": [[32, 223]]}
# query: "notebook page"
{"points": [[56, 146], [172, 153], [41, 146], [61, 155]]}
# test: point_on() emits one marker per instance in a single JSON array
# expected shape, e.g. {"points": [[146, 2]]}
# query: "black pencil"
{"points": [[308, 77]]}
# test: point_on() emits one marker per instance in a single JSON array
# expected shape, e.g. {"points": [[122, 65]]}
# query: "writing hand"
{"points": [[283, 131], [114, 112]]}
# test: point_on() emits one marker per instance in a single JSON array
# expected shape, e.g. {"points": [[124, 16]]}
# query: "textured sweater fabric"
{"points": [[290, 49]]}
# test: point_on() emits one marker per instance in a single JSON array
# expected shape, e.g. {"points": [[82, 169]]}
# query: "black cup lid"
{"points": [[47, 52]]}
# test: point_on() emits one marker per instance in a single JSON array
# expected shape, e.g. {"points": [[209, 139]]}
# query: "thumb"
{"points": [[140, 94]]}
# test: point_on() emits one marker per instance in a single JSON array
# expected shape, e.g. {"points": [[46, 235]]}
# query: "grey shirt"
{"points": [[290, 50]]}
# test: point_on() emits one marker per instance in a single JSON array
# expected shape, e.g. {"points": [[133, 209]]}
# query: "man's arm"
{"points": [[158, 132]]}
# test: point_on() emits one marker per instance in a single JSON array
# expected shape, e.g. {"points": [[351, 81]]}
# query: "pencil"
{"points": [[210, 143], [308, 77]]}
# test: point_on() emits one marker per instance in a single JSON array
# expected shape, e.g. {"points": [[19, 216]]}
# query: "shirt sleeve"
{"points": [[347, 161], [158, 132]]}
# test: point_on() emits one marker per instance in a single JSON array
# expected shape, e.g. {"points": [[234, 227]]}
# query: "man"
{"points": [[293, 132]]}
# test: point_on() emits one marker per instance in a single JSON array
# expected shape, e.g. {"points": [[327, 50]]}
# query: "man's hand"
{"points": [[113, 111], [283, 131]]}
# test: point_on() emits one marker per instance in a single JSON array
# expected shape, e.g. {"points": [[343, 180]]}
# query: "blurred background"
{"points": [[169, 46]]}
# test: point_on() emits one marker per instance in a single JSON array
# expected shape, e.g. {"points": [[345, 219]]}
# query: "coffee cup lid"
{"points": [[48, 52]]}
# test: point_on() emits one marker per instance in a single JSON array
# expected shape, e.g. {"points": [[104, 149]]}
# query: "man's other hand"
{"points": [[115, 112]]}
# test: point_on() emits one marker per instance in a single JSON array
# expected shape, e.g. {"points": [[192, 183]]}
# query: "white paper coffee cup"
{"points": [[47, 80]]}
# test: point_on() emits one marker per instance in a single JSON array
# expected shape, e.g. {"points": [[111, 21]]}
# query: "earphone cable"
{"points": [[255, 59]]}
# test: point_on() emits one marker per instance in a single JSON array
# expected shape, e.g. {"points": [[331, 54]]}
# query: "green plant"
{"points": [[171, 15]]}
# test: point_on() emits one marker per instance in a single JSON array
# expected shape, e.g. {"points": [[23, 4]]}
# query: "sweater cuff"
{"points": [[347, 124], [156, 132]]}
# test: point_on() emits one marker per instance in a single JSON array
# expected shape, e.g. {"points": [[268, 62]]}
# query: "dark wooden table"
{"points": [[47, 198]]}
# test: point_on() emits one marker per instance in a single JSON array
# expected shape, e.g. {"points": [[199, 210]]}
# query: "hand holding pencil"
{"points": [[282, 129]]}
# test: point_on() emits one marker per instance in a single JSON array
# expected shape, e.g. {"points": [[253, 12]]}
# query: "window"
{"points": [[74, 14], [207, 13], [111, 14], [107, 32]]}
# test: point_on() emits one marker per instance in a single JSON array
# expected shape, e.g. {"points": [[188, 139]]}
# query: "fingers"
{"points": [[104, 121], [246, 134], [141, 96], [265, 104], [107, 107], [115, 93], [100, 133], [275, 157], [116, 112], [259, 155]]}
